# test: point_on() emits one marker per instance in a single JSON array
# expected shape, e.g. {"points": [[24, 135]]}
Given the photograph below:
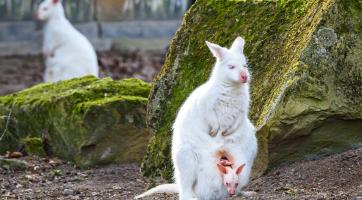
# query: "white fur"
{"points": [[165, 188], [68, 54], [220, 105]]}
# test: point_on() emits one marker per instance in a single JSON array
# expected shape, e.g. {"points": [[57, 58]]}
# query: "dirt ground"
{"points": [[19, 72], [335, 177]]}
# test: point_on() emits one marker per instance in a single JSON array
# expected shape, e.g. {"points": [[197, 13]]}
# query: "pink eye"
{"points": [[231, 66]]}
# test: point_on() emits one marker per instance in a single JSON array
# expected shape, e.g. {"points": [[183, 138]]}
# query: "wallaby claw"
{"points": [[226, 133], [213, 133]]}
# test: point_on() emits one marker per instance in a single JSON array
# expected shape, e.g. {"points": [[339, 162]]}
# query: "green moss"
{"points": [[80, 90], [72, 116], [291, 78], [13, 164], [328, 88], [33, 146]]}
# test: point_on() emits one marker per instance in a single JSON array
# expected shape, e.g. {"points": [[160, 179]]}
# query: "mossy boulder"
{"points": [[86, 120], [306, 61]]}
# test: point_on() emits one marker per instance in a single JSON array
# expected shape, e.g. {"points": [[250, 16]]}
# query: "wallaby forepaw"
{"points": [[226, 133], [226, 163], [248, 194], [213, 133]]}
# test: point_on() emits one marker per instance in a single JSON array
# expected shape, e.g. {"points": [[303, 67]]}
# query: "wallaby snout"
{"points": [[243, 77]]}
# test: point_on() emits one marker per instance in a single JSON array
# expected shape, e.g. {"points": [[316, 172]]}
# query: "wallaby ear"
{"points": [[222, 169], [238, 45], [56, 1], [240, 169], [216, 50]]}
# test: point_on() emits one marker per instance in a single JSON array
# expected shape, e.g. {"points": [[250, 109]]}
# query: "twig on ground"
{"points": [[7, 122]]}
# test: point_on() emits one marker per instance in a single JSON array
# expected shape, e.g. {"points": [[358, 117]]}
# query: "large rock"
{"points": [[306, 59], [87, 120]]}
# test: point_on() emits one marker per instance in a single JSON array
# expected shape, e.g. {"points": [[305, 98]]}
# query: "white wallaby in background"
{"points": [[67, 53], [215, 116]]}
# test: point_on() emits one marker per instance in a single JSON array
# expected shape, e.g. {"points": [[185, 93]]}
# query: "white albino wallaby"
{"points": [[214, 116], [219, 108], [67, 53]]}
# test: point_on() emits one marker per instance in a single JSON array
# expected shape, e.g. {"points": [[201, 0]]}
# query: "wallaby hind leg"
{"points": [[186, 172]]}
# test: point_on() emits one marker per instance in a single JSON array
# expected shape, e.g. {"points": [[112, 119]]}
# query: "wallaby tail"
{"points": [[165, 188]]}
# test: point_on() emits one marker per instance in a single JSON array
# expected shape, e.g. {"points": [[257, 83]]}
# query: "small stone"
{"points": [[74, 197], [29, 177], [116, 187], [55, 162], [68, 192], [28, 191], [95, 193]]}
